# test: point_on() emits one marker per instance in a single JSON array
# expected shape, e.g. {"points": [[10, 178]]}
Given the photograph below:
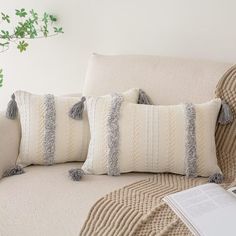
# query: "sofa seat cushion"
{"points": [[44, 201]]}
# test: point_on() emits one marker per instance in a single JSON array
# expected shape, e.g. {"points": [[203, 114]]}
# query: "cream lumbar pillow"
{"points": [[127, 137], [49, 134]]}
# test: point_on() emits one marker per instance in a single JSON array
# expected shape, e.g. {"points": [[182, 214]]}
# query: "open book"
{"points": [[207, 210]]}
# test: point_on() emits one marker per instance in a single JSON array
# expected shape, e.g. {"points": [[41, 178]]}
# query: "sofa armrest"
{"points": [[9, 142]]}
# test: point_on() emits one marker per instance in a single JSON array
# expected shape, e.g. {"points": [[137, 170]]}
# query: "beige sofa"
{"points": [[44, 201]]}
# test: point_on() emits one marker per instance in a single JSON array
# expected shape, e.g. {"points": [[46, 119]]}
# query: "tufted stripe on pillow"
{"points": [[190, 145], [114, 134], [50, 129]]}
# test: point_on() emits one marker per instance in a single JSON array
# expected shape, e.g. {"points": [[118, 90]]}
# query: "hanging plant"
{"points": [[29, 25]]}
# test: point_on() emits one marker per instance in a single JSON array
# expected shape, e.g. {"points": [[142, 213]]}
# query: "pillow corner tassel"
{"points": [[15, 170], [76, 174], [216, 178], [76, 112], [144, 98], [226, 115], [12, 109]]}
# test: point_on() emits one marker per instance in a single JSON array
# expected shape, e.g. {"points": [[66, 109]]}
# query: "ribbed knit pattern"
{"points": [[226, 134], [172, 137], [103, 105], [137, 209]]}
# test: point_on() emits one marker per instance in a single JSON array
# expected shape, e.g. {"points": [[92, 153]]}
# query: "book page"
{"points": [[205, 208], [232, 191]]}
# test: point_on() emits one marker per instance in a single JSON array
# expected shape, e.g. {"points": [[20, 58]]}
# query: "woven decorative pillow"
{"points": [[127, 137], [49, 135]]}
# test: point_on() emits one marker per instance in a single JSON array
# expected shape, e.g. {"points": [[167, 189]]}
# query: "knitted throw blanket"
{"points": [[226, 134], [137, 209]]}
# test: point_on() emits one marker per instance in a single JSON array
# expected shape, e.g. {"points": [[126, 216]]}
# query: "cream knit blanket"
{"points": [[137, 209]]}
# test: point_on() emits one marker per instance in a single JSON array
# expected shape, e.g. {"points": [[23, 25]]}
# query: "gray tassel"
{"points": [[143, 98], [226, 115], [216, 178], [12, 109], [76, 112], [15, 170], [76, 174]]}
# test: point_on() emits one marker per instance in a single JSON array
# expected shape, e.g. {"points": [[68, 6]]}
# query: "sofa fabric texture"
{"points": [[9, 142], [128, 137], [45, 202], [168, 81]]}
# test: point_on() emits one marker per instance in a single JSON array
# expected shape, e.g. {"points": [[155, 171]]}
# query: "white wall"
{"points": [[185, 28]]}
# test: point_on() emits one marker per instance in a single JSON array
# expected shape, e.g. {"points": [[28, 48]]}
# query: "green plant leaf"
{"points": [[30, 25], [1, 77], [22, 46], [45, 18], [4, 44], [53, 18], [21, 13], [5, 17], [45, 31], [58, 30], [20, 30], [5, 34], [34, 16]]}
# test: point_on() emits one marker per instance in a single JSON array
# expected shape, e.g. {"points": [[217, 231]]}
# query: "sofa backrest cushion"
{"points": [[165, 80]]}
